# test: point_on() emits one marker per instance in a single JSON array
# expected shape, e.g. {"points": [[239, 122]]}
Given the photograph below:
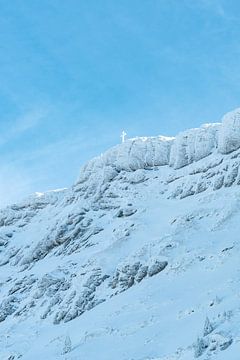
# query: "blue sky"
{"points": [[74, 73]]}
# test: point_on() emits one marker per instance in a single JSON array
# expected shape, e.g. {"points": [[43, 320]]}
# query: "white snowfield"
{"points": [[139, 260]]}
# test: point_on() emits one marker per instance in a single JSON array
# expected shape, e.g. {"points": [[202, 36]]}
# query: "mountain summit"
{"points": [[138, 260]]}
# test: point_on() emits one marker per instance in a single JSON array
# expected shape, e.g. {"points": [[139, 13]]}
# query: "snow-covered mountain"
{"points": [[139, 260]]}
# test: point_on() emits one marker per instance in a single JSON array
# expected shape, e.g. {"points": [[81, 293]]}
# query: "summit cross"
{"points": [[123, 135]]}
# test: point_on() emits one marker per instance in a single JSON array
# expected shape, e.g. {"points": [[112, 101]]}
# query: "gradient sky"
{"points": [[74, 73]]}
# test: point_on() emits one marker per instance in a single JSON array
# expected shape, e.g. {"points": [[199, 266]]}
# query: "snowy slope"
{"points": [[138, 260]]}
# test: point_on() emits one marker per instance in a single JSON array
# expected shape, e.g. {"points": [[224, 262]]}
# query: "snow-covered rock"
{"points": [[193, 145], [229, 134], [138, 260], [132, 155]]}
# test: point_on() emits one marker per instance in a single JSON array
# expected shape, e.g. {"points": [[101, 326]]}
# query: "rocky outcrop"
{"points": [[193, 145], [229, 134]]}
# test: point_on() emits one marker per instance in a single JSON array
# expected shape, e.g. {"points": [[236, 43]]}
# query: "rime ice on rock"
{"points": [[146, 152], [193, 145], [133, 154], [229, 135], [63, 253]]}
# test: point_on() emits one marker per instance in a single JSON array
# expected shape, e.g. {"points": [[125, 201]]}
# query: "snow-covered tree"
{"points": [[208, 327], [67, 345], [199, 347]]}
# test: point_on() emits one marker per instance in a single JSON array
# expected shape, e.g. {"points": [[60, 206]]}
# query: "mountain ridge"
{"points": [[111, 259]]}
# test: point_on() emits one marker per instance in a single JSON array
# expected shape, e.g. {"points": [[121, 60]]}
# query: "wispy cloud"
{"points": [[216, 7], [22, 124], [14, 184], [55, 164]]}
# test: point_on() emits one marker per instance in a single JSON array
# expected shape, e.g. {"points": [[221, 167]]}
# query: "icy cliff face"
{"points": [[229, 135], [187, 147], [138, 260], [134, 154], [193, 145]]}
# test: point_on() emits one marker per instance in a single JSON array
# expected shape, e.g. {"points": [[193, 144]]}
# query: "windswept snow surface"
{"points": [[139, 260]]}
